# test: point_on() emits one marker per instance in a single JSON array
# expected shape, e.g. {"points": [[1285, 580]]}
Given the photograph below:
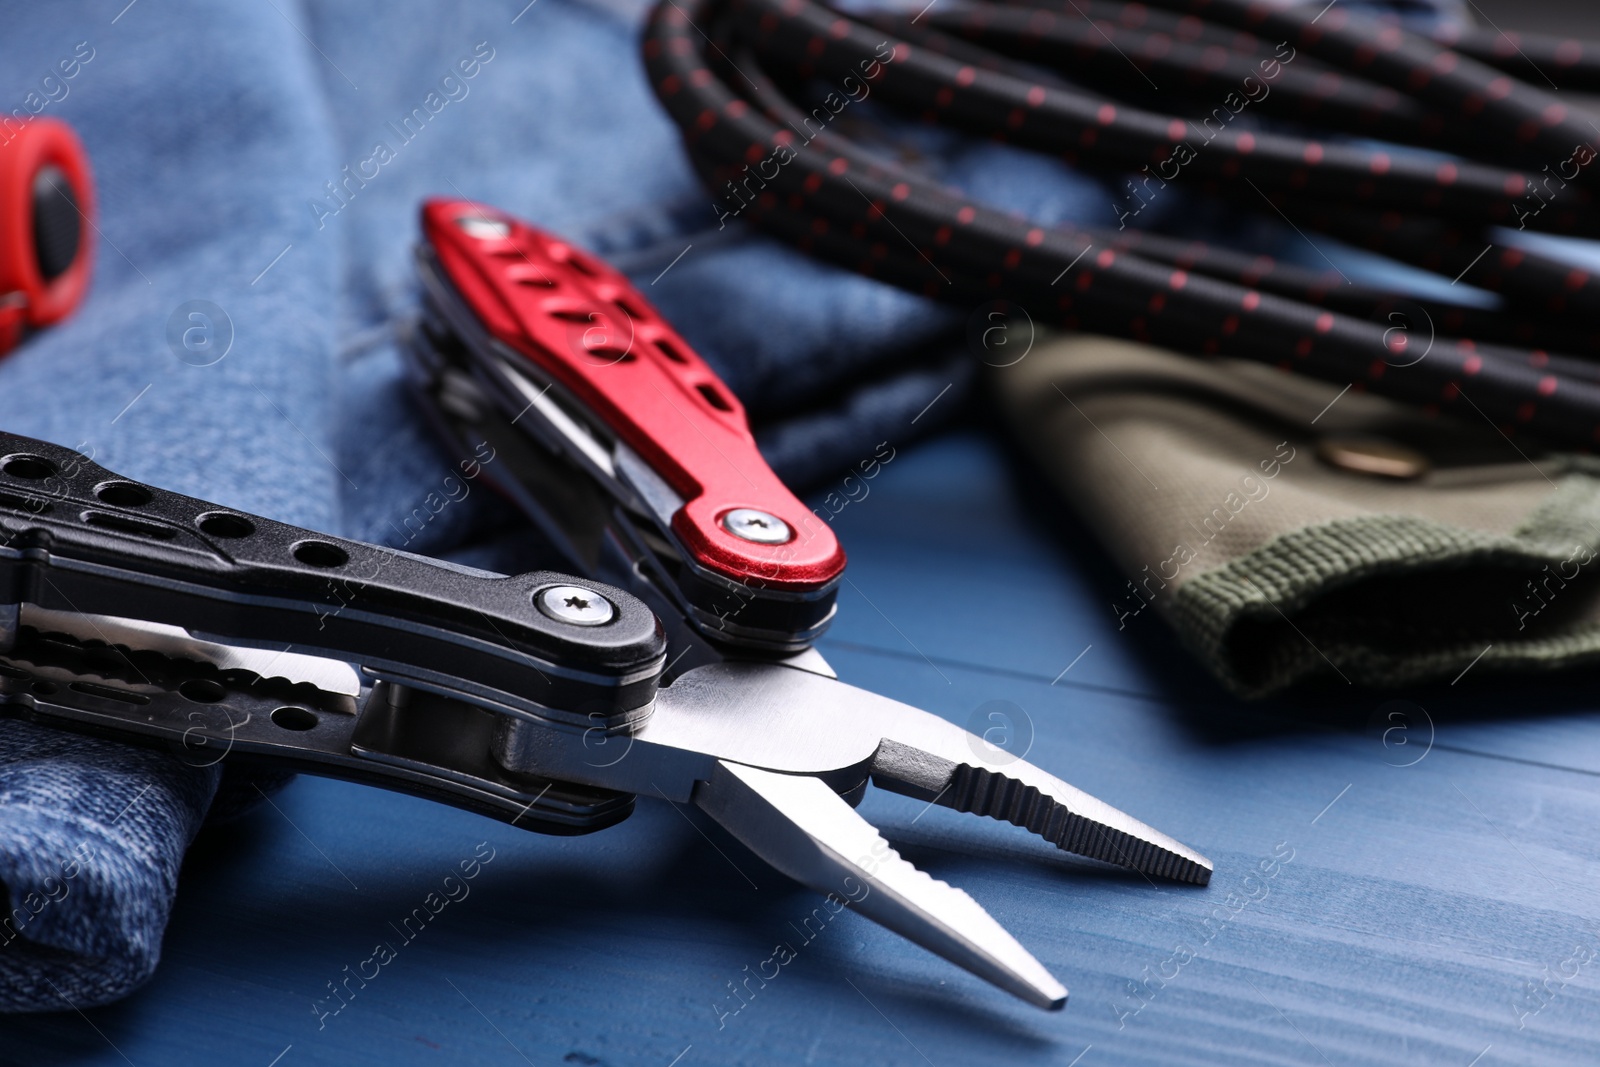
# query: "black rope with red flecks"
{"points": [[729, 73]]}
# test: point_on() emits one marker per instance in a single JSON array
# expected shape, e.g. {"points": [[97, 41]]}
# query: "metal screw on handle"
{"points": [[570, 603], [483, 228], [756, 526]]}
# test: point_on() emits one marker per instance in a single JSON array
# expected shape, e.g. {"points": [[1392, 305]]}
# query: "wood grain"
{"points": [[1406, 911]]}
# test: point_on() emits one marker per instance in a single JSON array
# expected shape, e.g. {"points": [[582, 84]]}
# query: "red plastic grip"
{"points": [[25, 149], [587, 328]]}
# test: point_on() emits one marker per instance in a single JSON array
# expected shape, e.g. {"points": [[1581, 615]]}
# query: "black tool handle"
{"points": [[75, 537]]}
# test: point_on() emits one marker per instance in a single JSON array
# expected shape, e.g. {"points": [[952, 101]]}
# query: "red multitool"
{"points": [[547, 700], [522, 328]]}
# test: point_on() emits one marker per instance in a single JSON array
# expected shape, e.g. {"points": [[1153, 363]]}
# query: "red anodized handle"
{"points": [[587, 328]]}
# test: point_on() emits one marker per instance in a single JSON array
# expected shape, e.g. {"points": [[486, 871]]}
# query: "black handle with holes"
{"points": [[75, 537]]}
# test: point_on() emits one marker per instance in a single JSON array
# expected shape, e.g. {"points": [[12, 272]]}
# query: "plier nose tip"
{"points": [[779, 791], [800, 826], [948, 766]]}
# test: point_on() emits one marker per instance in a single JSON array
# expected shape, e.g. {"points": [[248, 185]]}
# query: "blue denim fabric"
{"points": [[215, 131]]}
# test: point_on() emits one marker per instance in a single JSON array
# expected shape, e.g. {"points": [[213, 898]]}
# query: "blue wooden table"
{"points": [[1408, 882]]}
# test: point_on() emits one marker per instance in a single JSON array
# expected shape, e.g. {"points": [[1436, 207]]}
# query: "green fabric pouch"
{"points": [[1287, 529]]}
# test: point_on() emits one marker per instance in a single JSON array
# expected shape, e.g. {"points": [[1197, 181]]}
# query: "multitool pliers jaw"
{"points": [[155, 618], [544, 700], [778, 755]]}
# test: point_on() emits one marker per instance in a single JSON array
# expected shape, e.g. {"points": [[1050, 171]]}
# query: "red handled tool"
{"points": [[547, 700], [564, 347], [46, 204]]}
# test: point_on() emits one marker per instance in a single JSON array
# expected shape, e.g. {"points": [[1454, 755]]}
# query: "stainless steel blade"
{"points": [[174, 642]]}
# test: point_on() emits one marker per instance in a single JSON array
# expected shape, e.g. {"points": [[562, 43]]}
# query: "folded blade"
{"points": [[799, 825], [174, 642]]}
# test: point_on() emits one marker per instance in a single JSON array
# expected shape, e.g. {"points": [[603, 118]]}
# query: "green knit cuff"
{"points": [[1385, 600]]}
